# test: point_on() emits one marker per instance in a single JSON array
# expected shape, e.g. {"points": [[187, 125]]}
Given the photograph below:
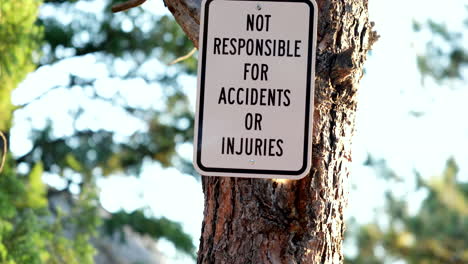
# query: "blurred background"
{"points": [[101, 128]]}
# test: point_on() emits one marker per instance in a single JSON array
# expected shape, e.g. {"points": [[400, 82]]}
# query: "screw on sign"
{"points": [[255, 88]]}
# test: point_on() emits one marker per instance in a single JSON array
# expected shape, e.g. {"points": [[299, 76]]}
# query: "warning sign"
{"points": [[255, 88]]}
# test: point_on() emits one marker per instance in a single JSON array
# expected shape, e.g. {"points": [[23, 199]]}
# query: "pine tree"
{"points": [[267, 221]]}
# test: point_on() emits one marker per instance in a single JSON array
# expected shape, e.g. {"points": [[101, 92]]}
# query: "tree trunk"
{"points": [[281, 221]]}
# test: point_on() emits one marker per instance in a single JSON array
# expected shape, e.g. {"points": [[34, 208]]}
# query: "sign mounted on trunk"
{"points": [[255, 88]]}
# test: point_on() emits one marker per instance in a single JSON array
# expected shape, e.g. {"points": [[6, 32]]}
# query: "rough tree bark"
{"points": [[268, 221]]}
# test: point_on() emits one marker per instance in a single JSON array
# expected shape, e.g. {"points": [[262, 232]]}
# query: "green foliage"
{"points": [[20, 229], [446, 54], [35, 197], [88, 150], [154, 227], [78, 250], [134, 34], [438, 233], [29, 233], [19, 41], [135, 37]]}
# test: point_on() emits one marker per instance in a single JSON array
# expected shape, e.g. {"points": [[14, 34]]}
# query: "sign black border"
{"points": [[308, 92]]}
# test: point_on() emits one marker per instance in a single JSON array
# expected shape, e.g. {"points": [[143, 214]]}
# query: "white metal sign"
{"points": [[255, 88]]}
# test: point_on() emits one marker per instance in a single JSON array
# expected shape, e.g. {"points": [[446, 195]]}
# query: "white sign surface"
{"points": [[255, 88]]}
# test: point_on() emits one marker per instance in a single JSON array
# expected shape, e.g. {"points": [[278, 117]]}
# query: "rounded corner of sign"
{"points": [[297, 177], [199, 167], [303, 172], [206, 3], [311, 4]]}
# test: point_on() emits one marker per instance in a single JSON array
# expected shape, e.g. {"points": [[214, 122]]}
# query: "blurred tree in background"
{"points": [[29, 233], [438, 231], [35, 224], [445, 56]]}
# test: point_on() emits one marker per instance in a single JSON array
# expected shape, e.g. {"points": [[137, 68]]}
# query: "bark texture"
{"points": [[273, 221]]}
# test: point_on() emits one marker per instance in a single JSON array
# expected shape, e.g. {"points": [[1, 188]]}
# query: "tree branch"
{"points": [[127, 5], [186, 56], [4, 154], [187, 15]]}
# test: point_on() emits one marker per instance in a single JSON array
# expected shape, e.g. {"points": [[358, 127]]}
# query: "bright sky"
{"points": [[390, 89]]}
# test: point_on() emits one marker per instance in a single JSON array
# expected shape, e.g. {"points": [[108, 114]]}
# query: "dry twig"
{"points": [[4, 153], [127, 5], [188, 55]]}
